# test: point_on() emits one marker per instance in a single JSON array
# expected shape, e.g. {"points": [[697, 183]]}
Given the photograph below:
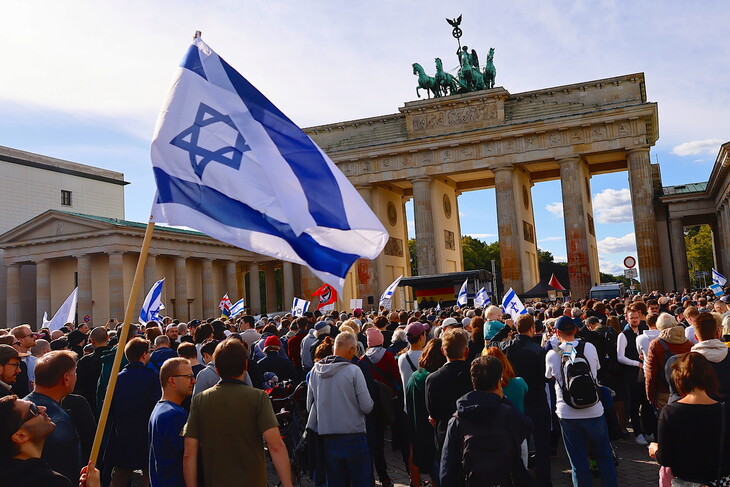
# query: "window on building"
{"points": [[65, 198]]}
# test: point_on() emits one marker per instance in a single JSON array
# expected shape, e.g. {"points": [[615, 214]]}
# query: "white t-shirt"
{"points": [[406, 371], [644, 340], [552, 369], [689, 332]]}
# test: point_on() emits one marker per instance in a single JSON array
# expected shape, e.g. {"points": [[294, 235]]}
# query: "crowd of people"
{"points": [[470, 397]]}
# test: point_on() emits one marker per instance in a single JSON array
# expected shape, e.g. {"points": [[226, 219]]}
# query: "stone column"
{"points": [[209, 308], [116, 285], [231, 281], [425, 238], [287, 277], [83, 268], [270, 282], [254, 291], [679, 254], [642, 203], [13, 295], [725, 216], [366, 269], [580, 236], [718, 241], [508, 229], [43, 290], [181, 288]]}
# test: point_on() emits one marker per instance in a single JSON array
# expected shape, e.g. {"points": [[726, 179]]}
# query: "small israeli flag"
{"points": [[718, 278], [299, 307], [237, 307], [511, 304], [230, 164], [438, 307], [386, 297], [463, 298], [152, 304], [716, 289], [482, 298]]}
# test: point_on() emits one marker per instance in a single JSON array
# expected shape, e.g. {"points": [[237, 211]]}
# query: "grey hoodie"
{"points": [[338, 398], [714, 350]]}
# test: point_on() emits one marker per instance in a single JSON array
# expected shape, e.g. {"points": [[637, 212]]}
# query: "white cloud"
{"points": [[550, 239], [560, 258], [617, 245], [610, 267], [709, 146], [555, 208], [481, 236], [613, 206]]}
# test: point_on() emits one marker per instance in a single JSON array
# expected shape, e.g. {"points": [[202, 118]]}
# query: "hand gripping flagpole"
{"points": [[126, 325]]}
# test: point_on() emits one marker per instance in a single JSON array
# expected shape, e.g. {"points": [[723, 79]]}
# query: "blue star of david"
{"points": [[201, 157]]}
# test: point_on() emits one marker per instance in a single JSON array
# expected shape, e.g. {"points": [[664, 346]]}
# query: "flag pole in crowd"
{"points": [[129, 313]]}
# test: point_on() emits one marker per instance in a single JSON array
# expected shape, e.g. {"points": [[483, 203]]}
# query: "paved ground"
{"points": [[635, 467]]}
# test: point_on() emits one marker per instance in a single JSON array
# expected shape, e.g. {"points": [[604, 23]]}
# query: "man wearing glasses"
{"points": [[166, 423], [24, 428], [24, 340], [9, 368]]}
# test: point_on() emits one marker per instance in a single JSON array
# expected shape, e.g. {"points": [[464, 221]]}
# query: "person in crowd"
{"points": [[167, 421], [183, 333], [584, 430], [691, 441], [187, 351], [40, 348], [162, 352], [671, 341], [171, 331], [248, 330], [24, 340], [10, 360], [446, 385], [708, 332], [308, 341], [89, 366], [528, 361], [386, 325], [55, 379], [24, 428], [628, 357], [232, 450], [493, 315], [294, 345], [690, 316], [136, 393], [274, 362], [643, 340], [321, 330], [483, 423], [408, 361], [338, 401], [514, 388]]}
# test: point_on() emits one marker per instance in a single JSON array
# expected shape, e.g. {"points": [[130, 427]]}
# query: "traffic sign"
{"points": [[631, 273], [629, 262]]}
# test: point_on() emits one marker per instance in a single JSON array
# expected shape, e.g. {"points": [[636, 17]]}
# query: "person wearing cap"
{"points": [[408, 361], [584, 430], [24, 428], [24, 340], [10, 360], [326, 328], [273, 362], [670, 341], [55, 379], [172, 333]]}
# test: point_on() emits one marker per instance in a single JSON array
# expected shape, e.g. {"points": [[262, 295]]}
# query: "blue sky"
{"points": [[84, 80]]}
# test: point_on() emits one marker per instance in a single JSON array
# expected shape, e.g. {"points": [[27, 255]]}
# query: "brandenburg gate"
{"points": [[433, 150]]}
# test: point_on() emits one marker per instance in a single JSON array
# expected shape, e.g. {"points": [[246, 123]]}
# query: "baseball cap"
{"points": [[320, 324], [450, 322], [357, 311], [416, 329], [272, 341], [7, 352], [565, 324]]}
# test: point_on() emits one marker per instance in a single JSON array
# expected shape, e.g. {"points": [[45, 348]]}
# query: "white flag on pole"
{"points": [[65, 313], [482, 298], [216, 134], [299, 307], [463, 298], [511, 304], [388, 294]]}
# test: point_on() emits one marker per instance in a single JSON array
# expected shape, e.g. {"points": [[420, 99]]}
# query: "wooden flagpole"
{"points": [[126, 325]]}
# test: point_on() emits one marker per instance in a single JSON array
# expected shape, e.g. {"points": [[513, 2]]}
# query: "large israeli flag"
{"points": [[152, 304], [387, 295], [718, 278], [230, 164], [511, 304], [463, 297], [237, 307], [482, 298]]}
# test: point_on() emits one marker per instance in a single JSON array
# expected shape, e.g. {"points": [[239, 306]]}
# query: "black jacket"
{"points": [[528, 361], [280, 366], [88, 370], [443, 388], [33, 472]]}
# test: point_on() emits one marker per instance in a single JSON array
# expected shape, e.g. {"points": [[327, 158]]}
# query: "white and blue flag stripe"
{"points": [[463, 296], [230, 164], [387, 295], [152, 304], [237, 307], [482, 298], [299, 306], [718, 278], [512, 305]]}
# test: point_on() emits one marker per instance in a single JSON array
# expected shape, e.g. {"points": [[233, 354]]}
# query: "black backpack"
{"points": [[490, 456], [578, 385]]}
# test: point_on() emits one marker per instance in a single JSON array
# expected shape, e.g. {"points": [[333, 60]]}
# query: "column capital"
{"points": [[564, 160], [421, 179], [502, 169], [40, 260], [675, 218], [638, 150], [112, 252]]}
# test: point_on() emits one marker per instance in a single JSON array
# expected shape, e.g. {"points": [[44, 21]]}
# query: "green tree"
{"points": [[479, 254], [698, 240], [545, 256], [414, 257]]}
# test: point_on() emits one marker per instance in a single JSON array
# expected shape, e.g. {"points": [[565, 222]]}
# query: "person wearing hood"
{"points": [[306, 344], [484, 416], [273, 362], [385, 368], [338, 401], [671, 341], [714, 350]]}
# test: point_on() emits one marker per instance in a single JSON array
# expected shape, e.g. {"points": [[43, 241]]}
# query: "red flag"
{"points": [[556, 284], [327, 295]]}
